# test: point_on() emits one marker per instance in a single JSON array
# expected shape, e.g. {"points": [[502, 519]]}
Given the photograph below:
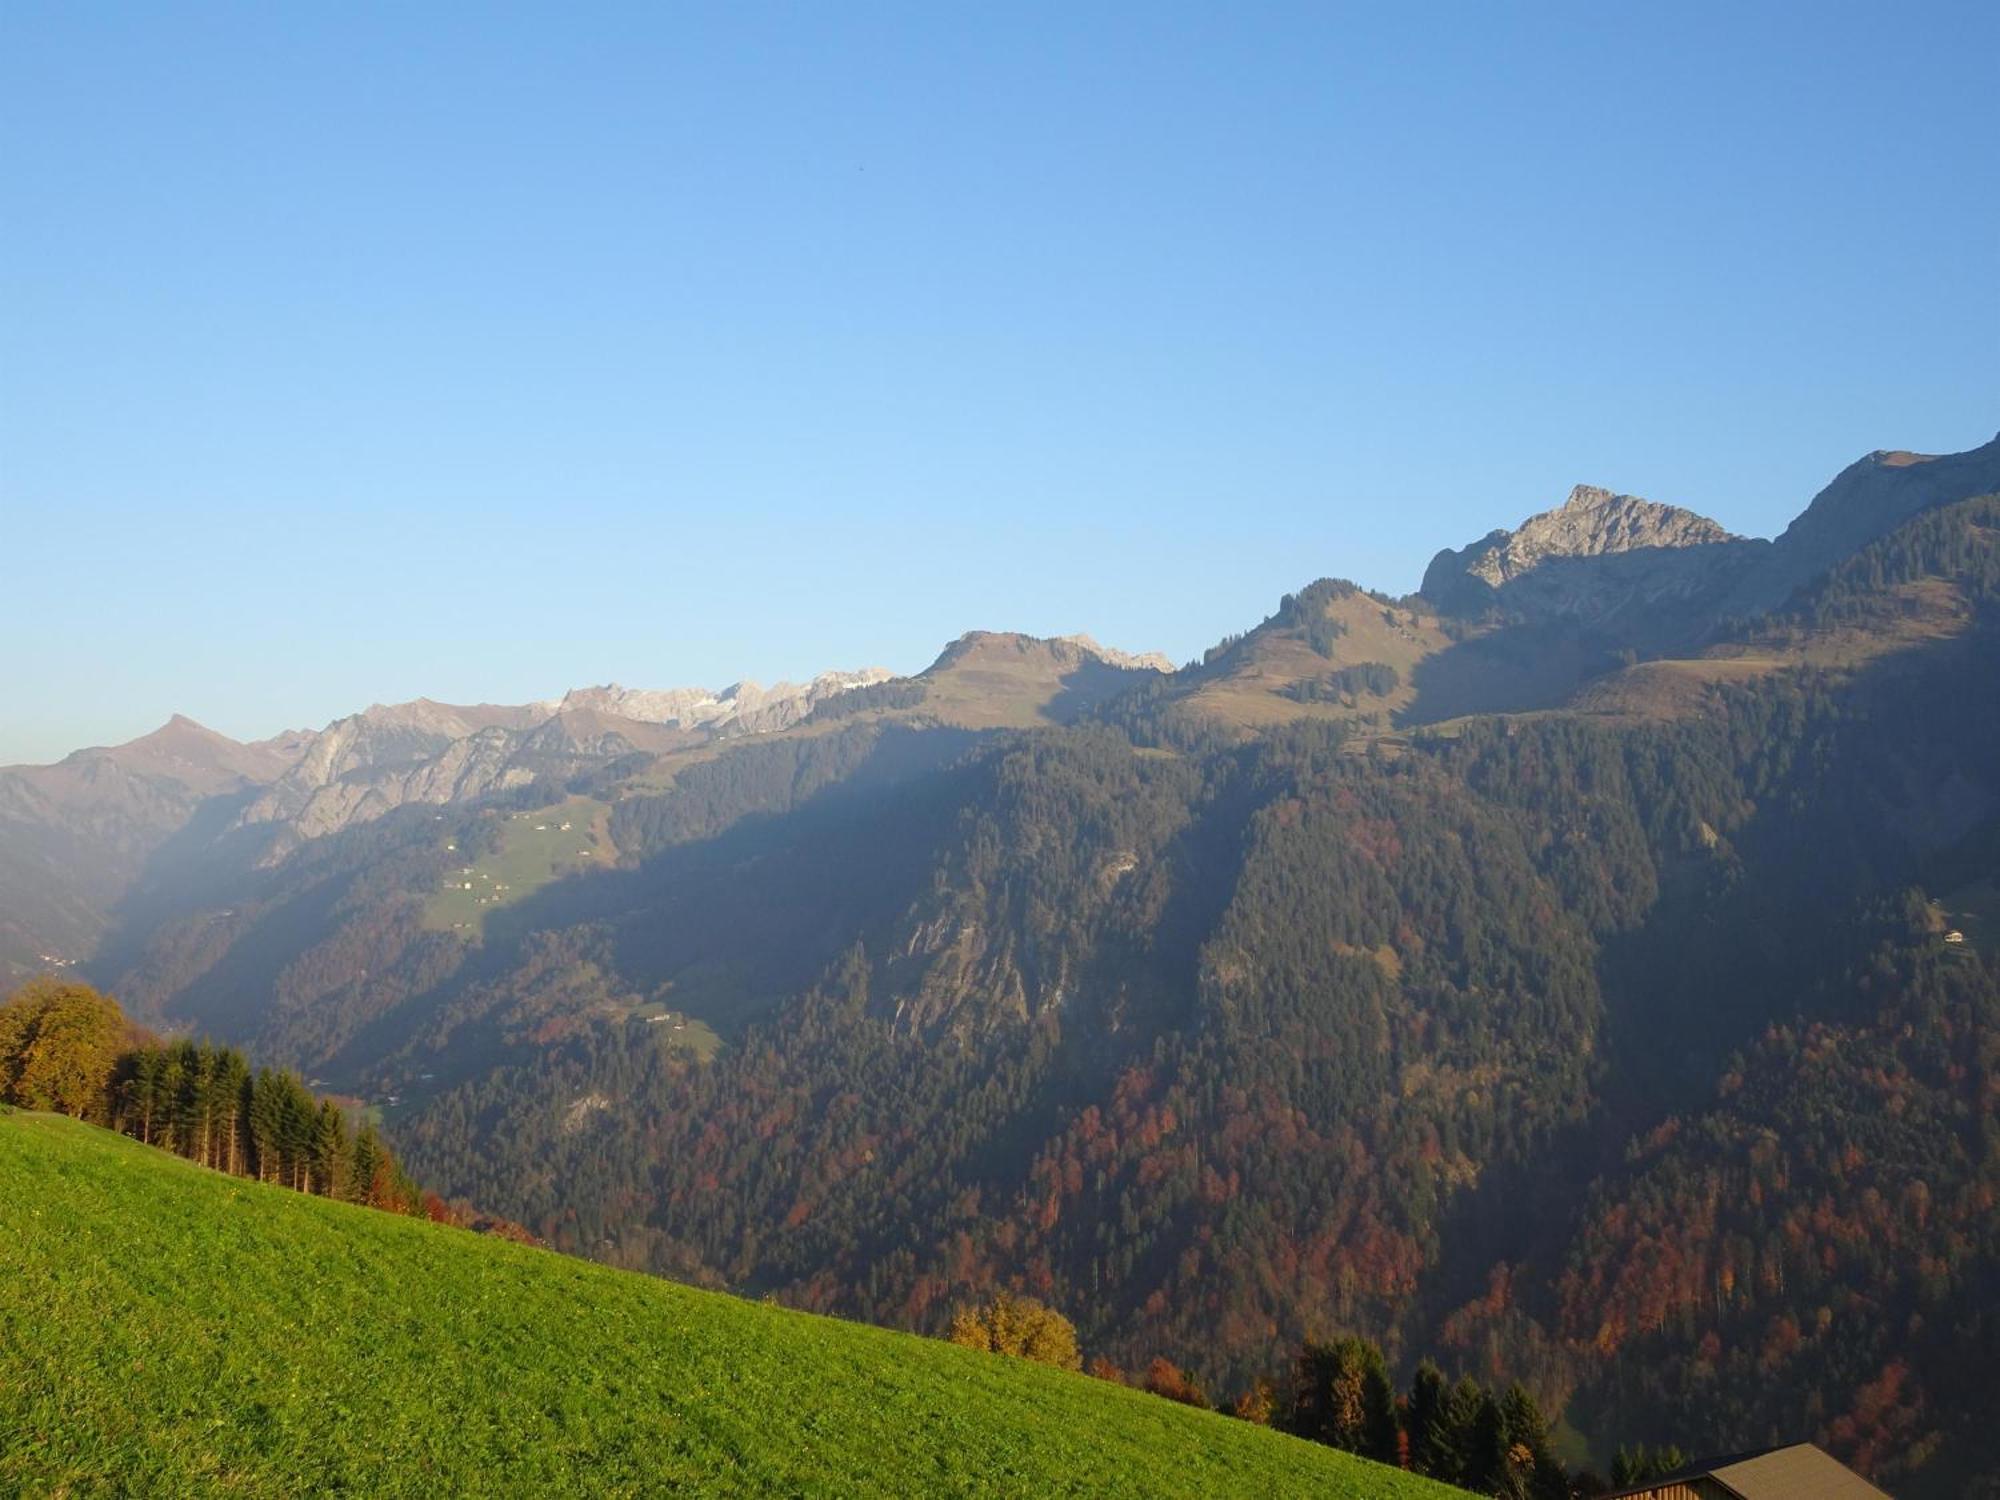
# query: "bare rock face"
{"points": [[743, 707], [1111, 656], [1591, 523], [1660, 571], [351, 776], [368, 764], [1598, 556]]}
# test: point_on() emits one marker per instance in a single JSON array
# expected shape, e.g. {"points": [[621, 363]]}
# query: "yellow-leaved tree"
{"points": [[1019, 1326], [59, 1042]]}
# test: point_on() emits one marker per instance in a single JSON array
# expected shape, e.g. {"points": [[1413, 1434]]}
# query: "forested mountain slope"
{"points": [[1560, 976], [311, 1346]]}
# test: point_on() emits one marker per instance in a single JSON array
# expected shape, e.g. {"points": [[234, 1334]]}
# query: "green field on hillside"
{"points": [[167, 1330], [533, 849]]}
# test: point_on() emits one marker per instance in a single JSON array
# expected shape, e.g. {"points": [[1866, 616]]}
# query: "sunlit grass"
{"points": [[165, 1330]]}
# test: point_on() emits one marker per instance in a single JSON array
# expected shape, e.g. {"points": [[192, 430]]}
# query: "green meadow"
{"points": [[533, 849], [165, 1330]]}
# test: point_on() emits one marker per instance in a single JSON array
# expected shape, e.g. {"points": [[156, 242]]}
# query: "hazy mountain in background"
{"points": [[1586, 968], [79, 836]]}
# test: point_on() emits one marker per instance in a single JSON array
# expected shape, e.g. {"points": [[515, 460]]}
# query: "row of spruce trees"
{"points": [[204, 1102], [64, 1047]]}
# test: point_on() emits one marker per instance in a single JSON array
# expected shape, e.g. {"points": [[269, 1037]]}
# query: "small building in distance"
{"points": [[1798, 1471]]}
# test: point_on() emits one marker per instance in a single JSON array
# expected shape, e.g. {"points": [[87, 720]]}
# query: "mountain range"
{"points": [[1584, 967]]}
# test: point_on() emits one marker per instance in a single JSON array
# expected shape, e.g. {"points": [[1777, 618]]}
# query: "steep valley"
{"points": [[1549, 970]]}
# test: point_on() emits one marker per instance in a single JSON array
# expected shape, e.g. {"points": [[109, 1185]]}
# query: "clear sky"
{"points": [[357, 352]]}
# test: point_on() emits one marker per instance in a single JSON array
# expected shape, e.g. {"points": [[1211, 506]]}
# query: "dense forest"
{"points": [[1430, 990], [1626, 1054]]}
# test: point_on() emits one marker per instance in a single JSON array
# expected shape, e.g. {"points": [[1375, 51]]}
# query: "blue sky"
{"points": [[360, 352]]}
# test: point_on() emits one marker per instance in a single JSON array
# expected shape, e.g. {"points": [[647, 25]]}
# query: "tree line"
{"points": [[68, 1049]]}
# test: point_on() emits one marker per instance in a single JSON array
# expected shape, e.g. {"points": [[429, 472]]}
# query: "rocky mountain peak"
{"points": [[1144, 661], [743, 707], [1592, 522], [1598, 554], [194, 755]]}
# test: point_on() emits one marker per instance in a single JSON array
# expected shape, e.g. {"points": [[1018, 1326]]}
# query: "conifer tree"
{"points": [[368, 1165], [204, 1107], [267, 1126], [297, 1119], [1342, 1397], [1434, 1449], [1461, 1419], [232, 1089], [329, 1151], [1539, 1471], [139, 1091], [167, 1101], [1488, 1468]]}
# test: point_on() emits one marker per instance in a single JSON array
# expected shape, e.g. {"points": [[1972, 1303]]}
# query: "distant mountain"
{"points": [[1595, 559], [74, 836], [741, 708], [84, 835], [1586, 966], [1000, 679], [197, 757]]}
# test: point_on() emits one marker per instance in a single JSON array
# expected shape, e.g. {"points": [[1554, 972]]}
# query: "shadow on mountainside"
{"points": [[719, 926], [1516, 669]]}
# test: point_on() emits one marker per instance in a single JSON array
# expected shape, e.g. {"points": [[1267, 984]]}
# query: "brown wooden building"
{"points": [[1798, 1471]]}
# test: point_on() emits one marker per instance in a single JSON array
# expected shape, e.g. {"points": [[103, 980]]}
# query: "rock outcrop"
{"points": [[1616, 559], [362, 766], [741, 708], [1596, 558]]}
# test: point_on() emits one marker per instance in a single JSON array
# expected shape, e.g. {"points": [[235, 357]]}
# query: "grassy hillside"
{"points": [[165, 1330], [533, 848]]}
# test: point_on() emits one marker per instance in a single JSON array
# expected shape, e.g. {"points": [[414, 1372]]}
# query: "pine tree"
{"points": [[367, 1162], [1458, 1431], [267, 1126], [232, 1088], [204, 1105], [298, 1118], [139, 1092], [1488, 1469], [1341, 1396], [1540, 1473], [329, 1150], [1433, 1447], [183, 1075]]}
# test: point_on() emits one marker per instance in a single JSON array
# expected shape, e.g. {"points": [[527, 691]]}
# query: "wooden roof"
{"points": [[1799, 1471]]}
